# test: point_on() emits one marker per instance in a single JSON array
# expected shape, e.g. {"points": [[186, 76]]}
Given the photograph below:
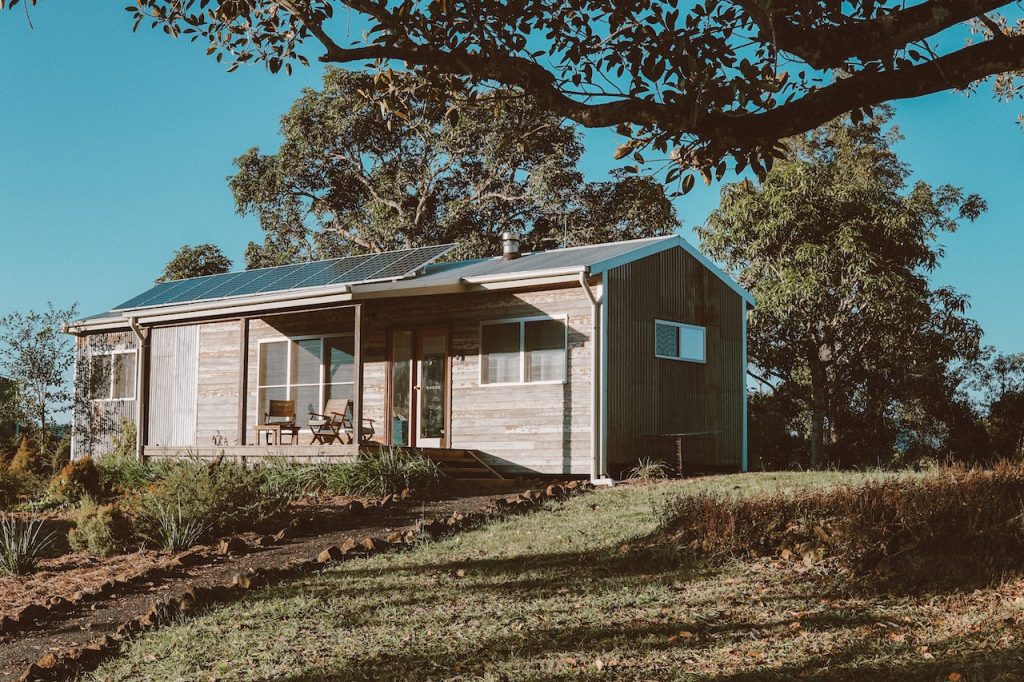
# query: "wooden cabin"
{"points": [[574, 361]]}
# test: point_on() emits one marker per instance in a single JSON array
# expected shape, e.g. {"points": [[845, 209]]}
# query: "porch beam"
{"points": [[243, 376], [357, 379]]}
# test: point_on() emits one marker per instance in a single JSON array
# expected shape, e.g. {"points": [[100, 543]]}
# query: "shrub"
{"points": [[191, 497], [27, 459], [955, 526], [647, 469], [124, 472], [101, 530], [125, 439], [298, 480], [77, 479], [11, 487], [388, 471], [22, 545]]}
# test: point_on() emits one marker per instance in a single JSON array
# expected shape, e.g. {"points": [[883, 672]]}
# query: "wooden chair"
{"points": [[278, 420], [336, 423]]}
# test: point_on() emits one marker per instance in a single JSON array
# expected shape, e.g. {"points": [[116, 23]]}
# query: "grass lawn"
{"points": [[552, 596]]}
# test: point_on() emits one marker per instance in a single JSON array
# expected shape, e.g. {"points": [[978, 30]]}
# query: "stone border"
{"points": [[73, 662]]}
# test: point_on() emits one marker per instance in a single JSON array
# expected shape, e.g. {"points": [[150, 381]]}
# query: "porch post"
{"points": [[243, 376], [142, 398], [357, 379]]}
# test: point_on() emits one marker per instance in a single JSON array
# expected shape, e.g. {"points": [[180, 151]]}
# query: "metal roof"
{"points": [[375, 267], [399, 273]]}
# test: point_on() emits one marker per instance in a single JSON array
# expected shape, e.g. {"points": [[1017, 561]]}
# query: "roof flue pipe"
{"points": [[509, 245]]}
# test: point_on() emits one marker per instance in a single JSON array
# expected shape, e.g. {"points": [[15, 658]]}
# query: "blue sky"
{"points": [[114, 148]]}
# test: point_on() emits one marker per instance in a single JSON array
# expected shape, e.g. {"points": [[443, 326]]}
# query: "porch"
{"points": [[455, 463]]}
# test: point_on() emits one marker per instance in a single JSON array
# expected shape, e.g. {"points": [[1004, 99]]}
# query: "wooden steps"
{"points": [[460, 464]]}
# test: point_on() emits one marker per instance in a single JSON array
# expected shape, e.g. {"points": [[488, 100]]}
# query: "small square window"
{"points": [[678, 341]]}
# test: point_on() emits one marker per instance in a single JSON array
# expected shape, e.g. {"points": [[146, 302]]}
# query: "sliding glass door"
{"points": [[419, 388]]}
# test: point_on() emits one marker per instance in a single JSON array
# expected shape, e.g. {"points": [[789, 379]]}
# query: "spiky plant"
{"points": [[22, 544]]}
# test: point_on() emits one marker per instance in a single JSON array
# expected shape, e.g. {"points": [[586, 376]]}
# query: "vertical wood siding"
{"points": [[173, 382], [649, 395], [522, 428], [218, 385], [95, 423]]}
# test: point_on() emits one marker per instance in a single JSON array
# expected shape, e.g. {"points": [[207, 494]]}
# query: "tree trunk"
{"points": [[819, 405]]}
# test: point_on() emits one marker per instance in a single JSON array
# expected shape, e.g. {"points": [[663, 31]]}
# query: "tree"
{"points": [[348, 178], [195, 261], [999, 381], [37, 355], [714, 79], [837, 251]]}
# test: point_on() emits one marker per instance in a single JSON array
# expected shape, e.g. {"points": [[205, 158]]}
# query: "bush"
{"points": [[22, 545], [299, 480], [101, 530], [27, 459], [123, 473], [125, 439], [206, 500], [76, 480], [11, 487], [953, 527], [388, 471]]}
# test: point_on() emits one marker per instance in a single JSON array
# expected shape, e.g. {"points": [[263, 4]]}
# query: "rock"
{"points": [[555, 490], [406, 494], [31, 613], [572, 485], [355, 506], [371, 544], [394, 538], [33, 673], [8, 624], [191, 557], [265, 541], [243, 581], [233, 545], [331, 554], [286, 533], [386, 501], [48, 662]]}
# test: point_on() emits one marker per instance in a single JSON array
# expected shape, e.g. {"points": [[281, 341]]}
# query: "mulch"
{"points": [[92, 619]]}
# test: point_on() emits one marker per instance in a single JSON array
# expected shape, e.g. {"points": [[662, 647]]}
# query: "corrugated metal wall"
{"points": [[648, 395], [174, 371], [96, 423]]}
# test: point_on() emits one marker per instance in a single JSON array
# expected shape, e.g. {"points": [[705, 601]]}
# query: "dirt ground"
{"points": [[91, 621]]}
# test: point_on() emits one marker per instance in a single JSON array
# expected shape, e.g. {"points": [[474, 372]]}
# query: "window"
{"points": [[309, 371], [113, 375], [528, 350], [677, 341]]}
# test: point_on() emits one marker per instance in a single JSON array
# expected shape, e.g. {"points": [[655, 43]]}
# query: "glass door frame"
{"points": [[417, 334]]}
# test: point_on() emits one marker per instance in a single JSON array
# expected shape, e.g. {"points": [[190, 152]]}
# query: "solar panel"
{"points": [[335, 272]]}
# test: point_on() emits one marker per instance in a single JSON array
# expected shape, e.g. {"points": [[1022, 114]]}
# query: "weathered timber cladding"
{"points": [[97, 422], [529, 427], [174, 378], [217, 396], [649, 395]]}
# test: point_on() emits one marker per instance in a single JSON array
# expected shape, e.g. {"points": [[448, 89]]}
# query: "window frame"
{"points": [[110, 398], [680, 326], [289, 363], [564, 319]]}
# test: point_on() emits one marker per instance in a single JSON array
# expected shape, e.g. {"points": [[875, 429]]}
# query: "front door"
{"points": [[419, 388]]}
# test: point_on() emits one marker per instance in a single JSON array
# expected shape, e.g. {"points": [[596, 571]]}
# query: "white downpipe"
{"points": [[133, 322], [598, 466]]}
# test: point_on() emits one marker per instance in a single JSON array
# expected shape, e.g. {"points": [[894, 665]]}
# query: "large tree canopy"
{"points": [[195, 261], [364, 171], [708, 79], [838, 251]]}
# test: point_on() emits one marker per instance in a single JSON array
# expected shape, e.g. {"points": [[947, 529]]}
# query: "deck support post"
{"points": [[243, 376], [141, 389], [357, 379]]}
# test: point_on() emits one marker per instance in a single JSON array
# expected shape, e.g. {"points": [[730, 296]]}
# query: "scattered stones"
{"points": [[555, 490], [286, 533], [265, 541], [233, 545], [333, 553], [348, 546], [394, 538], [371, 544], [31, 613], [355, 506]]}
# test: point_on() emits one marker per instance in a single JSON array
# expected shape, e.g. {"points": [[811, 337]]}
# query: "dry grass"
{"points": [[553, 596]]}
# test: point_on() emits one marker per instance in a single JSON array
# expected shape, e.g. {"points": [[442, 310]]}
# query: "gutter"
{"points": [[598, 466]]}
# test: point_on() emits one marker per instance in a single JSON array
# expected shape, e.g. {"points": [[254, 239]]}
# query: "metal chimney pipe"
{"points": [[509, 245]]}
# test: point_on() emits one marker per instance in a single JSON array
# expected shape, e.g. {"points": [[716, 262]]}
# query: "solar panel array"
{"points": [[338, 271]]}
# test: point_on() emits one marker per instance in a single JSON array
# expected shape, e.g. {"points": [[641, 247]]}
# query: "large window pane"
{"points": [[401, 388], [500, 350], [306, 362], [268, 394], [274, 364], [545, 350], [99, 378], [124, 376], [340, 359]]}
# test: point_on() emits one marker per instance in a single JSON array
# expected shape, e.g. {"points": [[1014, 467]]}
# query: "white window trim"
{"points": [[110, 388], [324, 383], [680, 358], [564, 319]]}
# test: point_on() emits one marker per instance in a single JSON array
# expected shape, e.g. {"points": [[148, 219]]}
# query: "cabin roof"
{"points": [[400, 272]]}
